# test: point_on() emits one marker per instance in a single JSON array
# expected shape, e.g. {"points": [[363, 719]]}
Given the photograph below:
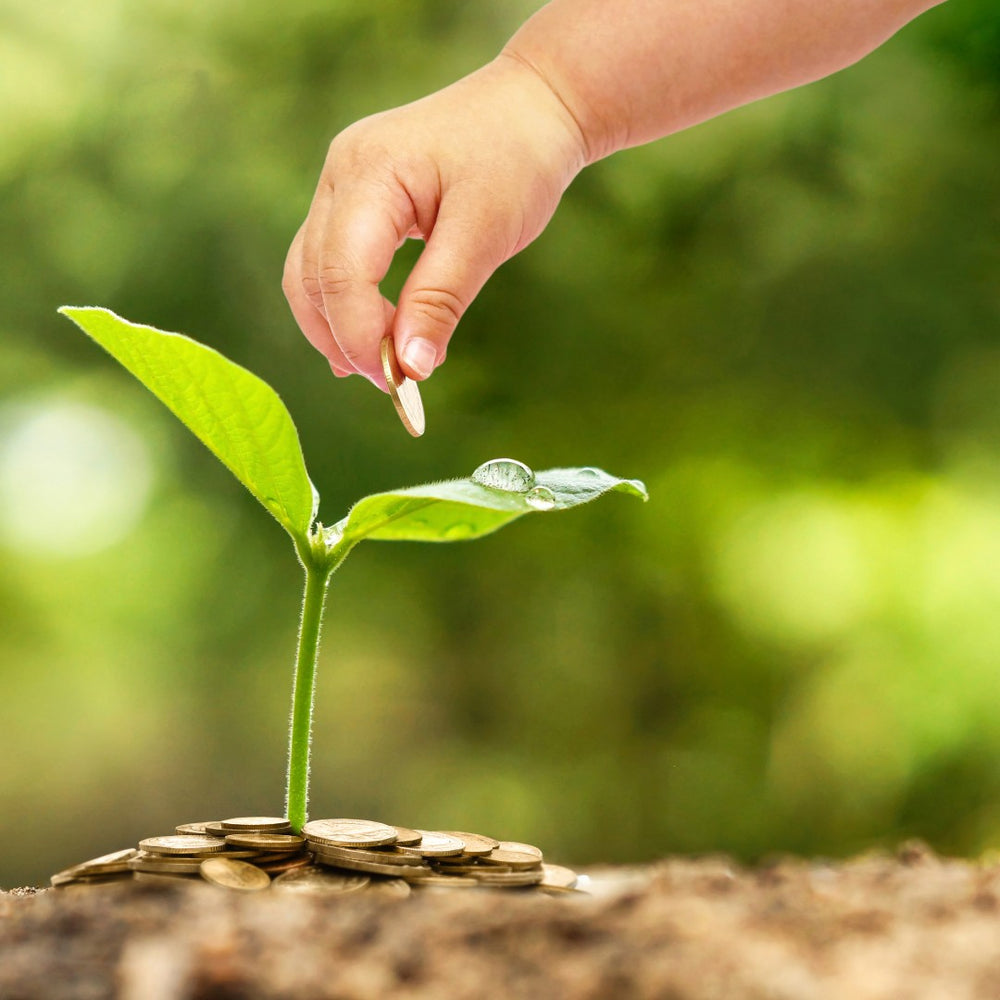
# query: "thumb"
{"points": [[460, 256]]}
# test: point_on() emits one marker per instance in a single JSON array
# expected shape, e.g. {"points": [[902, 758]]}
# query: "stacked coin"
{"points": [[240, 853], [332, 856], [448, 859]]}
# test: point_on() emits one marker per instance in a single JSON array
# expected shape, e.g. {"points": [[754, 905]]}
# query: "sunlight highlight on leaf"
{"points": [[235, 414]]}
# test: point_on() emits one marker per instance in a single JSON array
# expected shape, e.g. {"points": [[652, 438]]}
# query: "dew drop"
{"points": [[589, 472], [541, 498], [505, 474]]}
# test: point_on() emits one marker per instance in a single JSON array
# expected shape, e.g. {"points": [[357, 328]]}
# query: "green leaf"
{"points": [[238, 416], [460, 509]]}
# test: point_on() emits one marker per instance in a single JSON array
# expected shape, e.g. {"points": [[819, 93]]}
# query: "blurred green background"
{"points": [[785, 321]]}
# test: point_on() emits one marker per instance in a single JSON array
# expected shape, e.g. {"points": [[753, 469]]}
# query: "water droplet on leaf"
{"points": [[505, 474], [541, 498]]}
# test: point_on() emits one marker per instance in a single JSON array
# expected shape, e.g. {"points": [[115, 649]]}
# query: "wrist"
{"points": [[547, 96]]}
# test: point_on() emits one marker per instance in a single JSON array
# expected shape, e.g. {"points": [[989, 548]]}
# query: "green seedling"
{"points": [[244, 423]]}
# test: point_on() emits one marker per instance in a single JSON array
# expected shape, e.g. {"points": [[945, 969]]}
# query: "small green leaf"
{"points": [[460, 509], [238, 416]]}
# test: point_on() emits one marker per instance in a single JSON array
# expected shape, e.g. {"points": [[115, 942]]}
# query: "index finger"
{"points": [[346, 253]]}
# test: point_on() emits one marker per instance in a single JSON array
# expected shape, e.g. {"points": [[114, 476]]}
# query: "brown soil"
{"points": [[907, 927]]}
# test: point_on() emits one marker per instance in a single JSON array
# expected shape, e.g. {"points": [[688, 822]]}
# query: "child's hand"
{"points": [[476, 170]]}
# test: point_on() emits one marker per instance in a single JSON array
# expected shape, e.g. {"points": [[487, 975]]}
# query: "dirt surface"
{"points": [[892, 928]]}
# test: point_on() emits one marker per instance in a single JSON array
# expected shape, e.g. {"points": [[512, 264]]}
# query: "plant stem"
{"points": [[300, 732]]}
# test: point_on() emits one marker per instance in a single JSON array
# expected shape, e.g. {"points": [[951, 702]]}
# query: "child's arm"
{"points": [[477, 169]]}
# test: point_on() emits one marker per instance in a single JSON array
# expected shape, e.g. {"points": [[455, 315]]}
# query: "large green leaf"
{"points": [[238, 416], [460, 509]]}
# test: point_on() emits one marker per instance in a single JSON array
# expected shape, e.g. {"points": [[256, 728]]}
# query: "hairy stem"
{"points": [[300, 732]]}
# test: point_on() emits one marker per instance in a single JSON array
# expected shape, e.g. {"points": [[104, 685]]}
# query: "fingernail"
{"points": [[420, 355]]}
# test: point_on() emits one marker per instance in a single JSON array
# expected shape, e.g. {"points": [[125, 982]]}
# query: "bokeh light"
{"points": [[74, 479]]}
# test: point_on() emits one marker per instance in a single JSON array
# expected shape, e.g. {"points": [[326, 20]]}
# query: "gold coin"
{"points": [[405, 837], [266, 841], [143, 857], [214, 828], [285, 865], [376, 855], [374, 867], [558, 877], [349, 832], [510, 879], [404, 391], [200, 829], [71, 876], [271, 857], [466, 868], [234, 874], [106, 864], [183, 843], [256, 824], [319, 880], [166, 865], [476, 845], [434, 844], [519, 848], [517, 860]]}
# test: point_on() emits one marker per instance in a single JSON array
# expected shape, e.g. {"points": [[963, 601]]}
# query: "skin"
{"points": [[477, 169]]}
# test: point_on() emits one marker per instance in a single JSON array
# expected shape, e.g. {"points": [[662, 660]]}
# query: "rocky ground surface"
{"points": [[907, 926]]}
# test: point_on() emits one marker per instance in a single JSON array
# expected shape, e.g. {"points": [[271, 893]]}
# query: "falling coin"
{"points": [[404, 391]]}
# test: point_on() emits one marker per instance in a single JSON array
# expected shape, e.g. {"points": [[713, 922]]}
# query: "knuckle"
{"points": [[329, 279], [313, 290], [439, 306], [335, 275]]}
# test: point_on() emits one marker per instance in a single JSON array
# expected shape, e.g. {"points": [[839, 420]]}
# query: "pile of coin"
{"points": [[250, 853]]}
